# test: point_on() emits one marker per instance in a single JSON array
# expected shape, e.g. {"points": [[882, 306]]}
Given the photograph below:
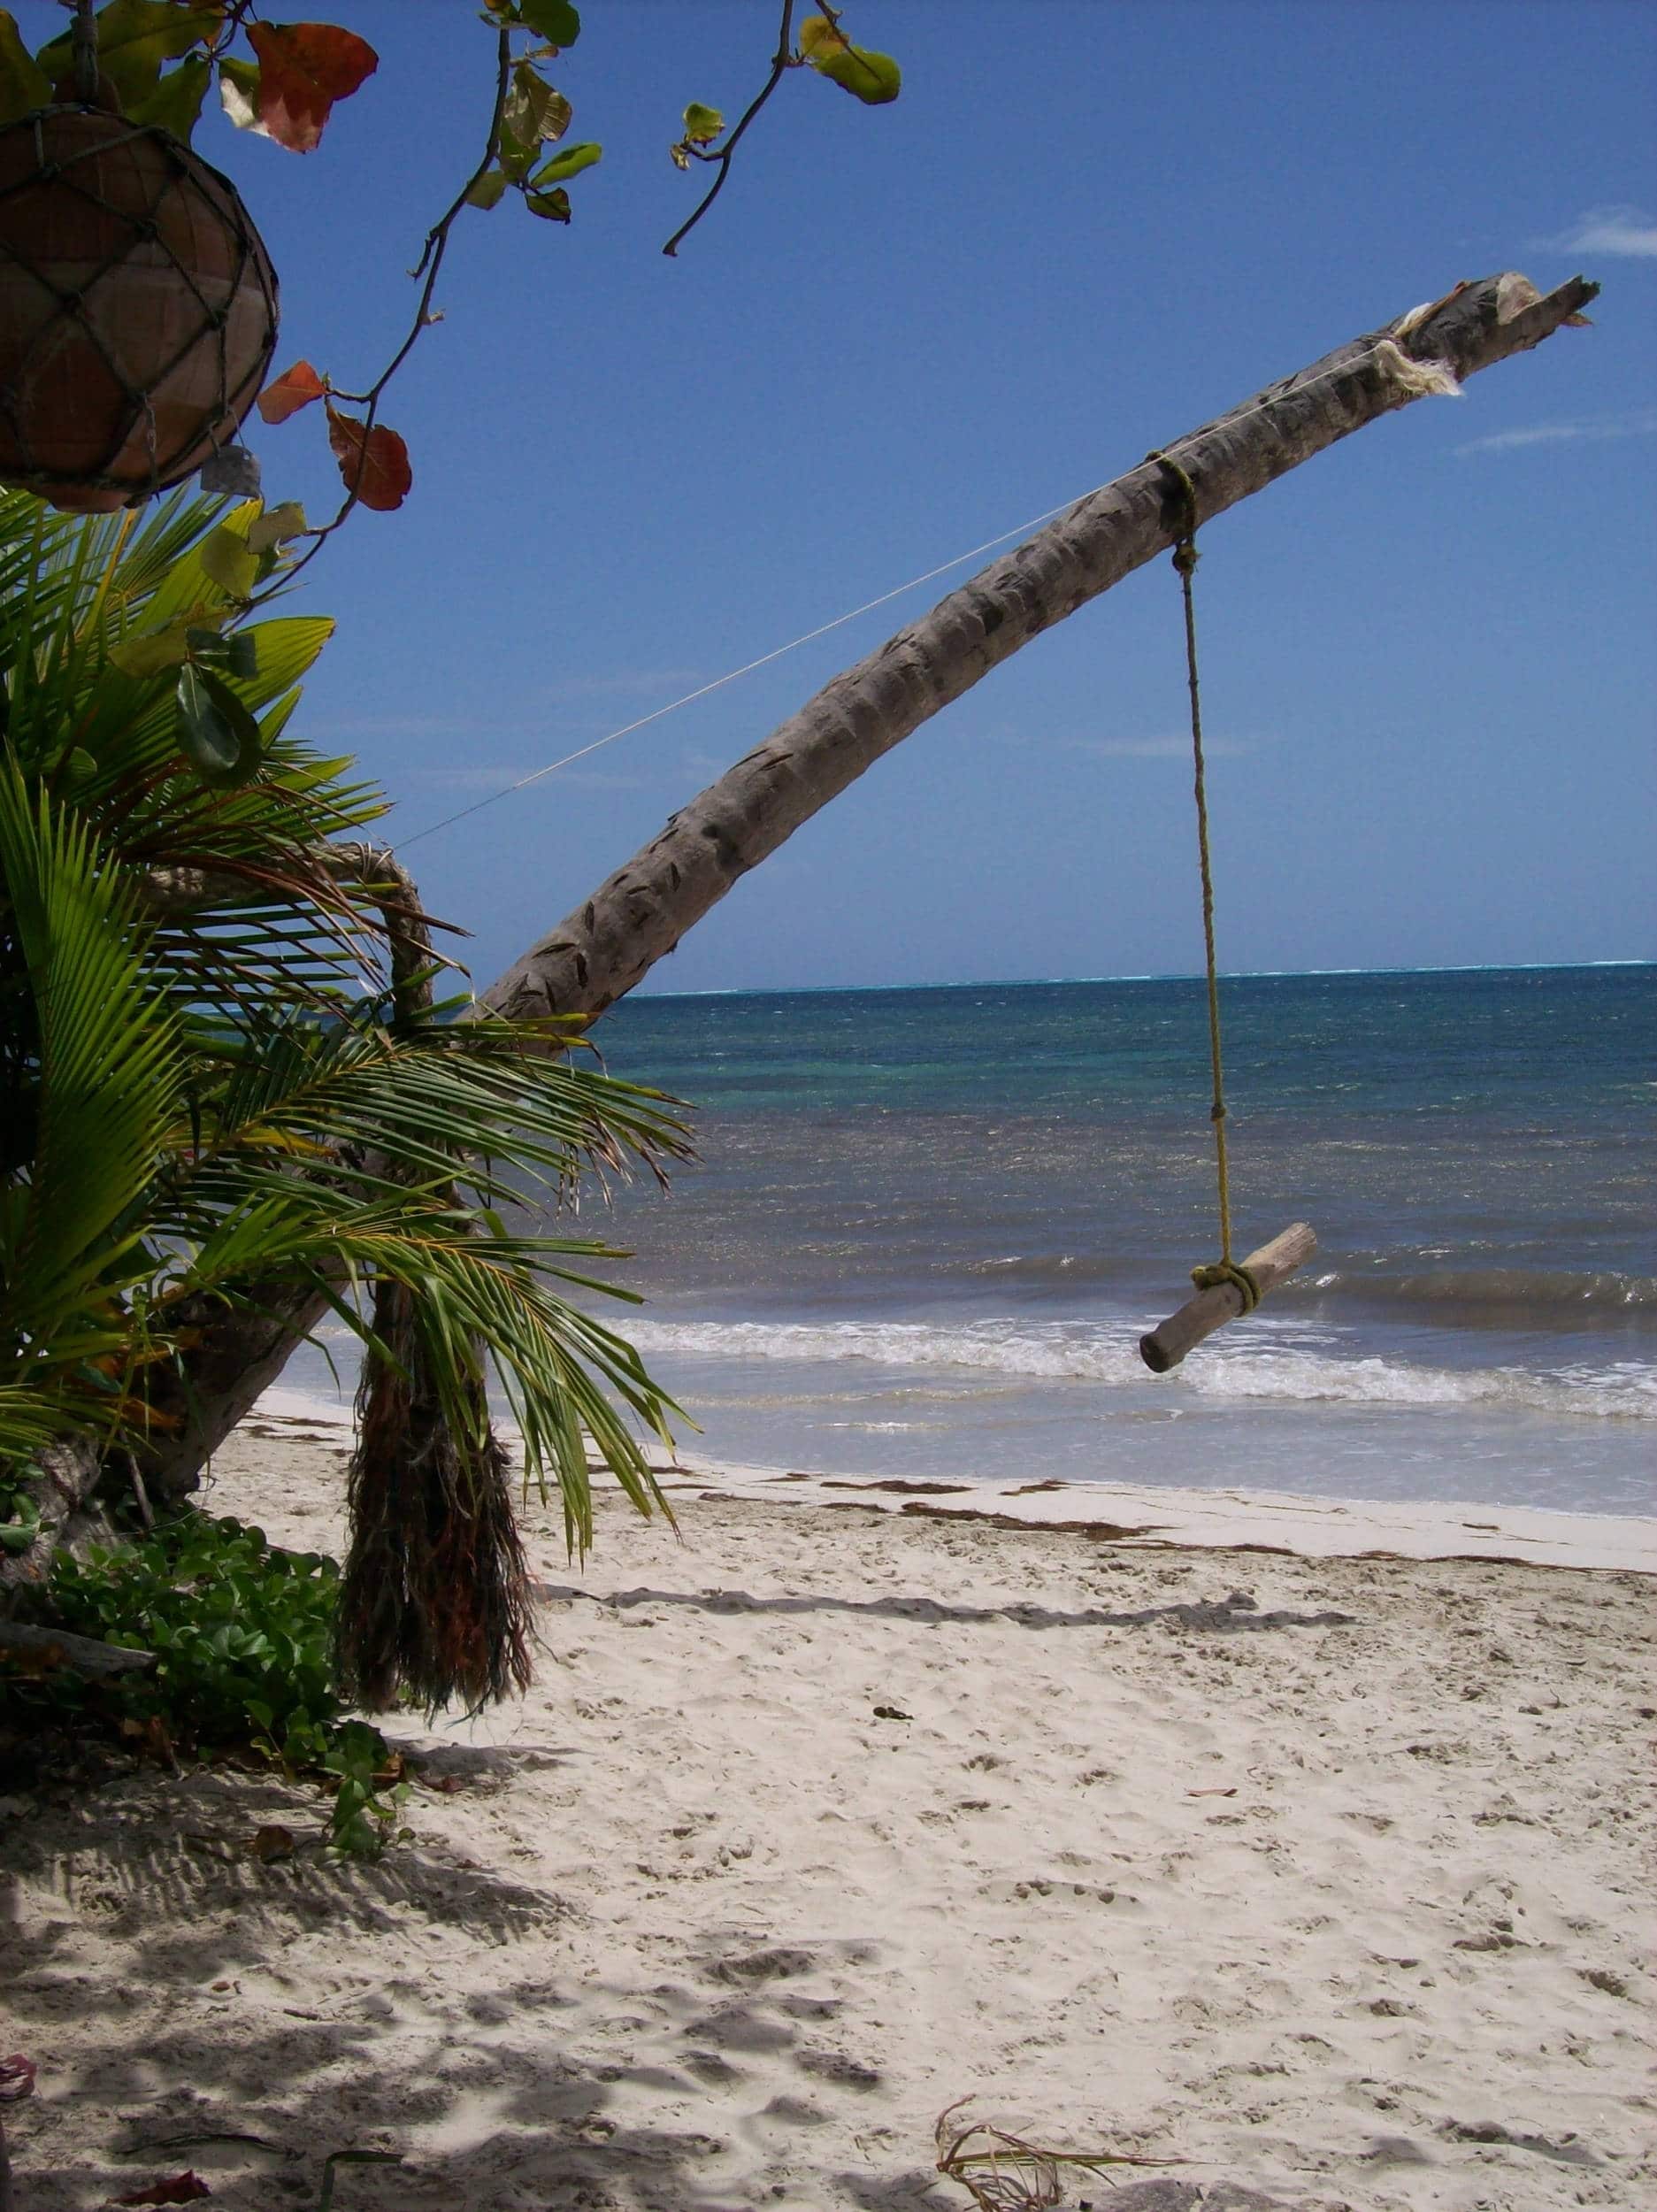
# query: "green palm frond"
{"points": [[218, 1102], [28, 1419], [428, 1101], [108, 1072], [106, 741]]}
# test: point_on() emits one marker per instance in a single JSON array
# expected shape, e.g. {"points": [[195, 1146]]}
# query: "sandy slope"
{"points": [[1321, 1875]]}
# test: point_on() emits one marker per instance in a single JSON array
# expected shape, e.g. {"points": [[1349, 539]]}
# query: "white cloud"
{"points": [[1637, 426], [1618, 230]]}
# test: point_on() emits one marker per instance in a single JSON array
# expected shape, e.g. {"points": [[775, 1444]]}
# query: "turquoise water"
{"points": [[929, 1227]]}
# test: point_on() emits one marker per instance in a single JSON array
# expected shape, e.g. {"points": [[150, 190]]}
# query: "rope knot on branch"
{"points": [[1211, 1276], [1185, 535]]}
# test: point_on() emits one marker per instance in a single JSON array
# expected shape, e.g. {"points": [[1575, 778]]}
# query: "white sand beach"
{"points": [[1324, 1876]]}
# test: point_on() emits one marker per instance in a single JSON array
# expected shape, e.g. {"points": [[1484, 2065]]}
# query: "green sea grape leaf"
{"points": [[134, 38], [241, 656], [874, 78], [702, 125], [238, 94], [237, 655], [276, 525], [228, 561], [176, 101], [24, 84], [216, 731], [535, 115], [487, 190], [553, 20], [553, 206], [564, 166], [142, 657]]}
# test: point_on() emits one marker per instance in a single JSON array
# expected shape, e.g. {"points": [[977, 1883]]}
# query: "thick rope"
{"points": [[1226, 1269]]}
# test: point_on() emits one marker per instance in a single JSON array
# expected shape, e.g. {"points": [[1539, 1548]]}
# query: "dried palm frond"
{"points": [[436, 1599], [1003, 2172]]}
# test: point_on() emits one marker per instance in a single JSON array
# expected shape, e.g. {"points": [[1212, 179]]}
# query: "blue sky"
{"points": [[1084, 228]]}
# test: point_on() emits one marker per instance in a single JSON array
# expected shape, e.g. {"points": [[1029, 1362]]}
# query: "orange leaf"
{"points": [[303, 69], [292, 389], [374, 463]]}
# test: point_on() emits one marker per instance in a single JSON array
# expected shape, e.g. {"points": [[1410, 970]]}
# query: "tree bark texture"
{"points": [[613, 938]]}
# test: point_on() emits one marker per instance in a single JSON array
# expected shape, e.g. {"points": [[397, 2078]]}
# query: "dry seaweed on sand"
{"points": [[1003, 2172]]}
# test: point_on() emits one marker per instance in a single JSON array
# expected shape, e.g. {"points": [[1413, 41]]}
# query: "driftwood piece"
{"points": [[100, 1662], [1167, 1344], [610, 940]]}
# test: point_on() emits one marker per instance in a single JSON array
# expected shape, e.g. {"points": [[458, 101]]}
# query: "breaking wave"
{"points": [[1066, 1352]]}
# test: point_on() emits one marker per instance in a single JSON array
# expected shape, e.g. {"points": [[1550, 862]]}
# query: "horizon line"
{"points": [[1172, 975]]}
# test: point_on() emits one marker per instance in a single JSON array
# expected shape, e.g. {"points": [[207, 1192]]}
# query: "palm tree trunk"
{"points": [[600, 950]]}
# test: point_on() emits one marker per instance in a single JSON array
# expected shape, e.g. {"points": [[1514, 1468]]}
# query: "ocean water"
{"points": [[929, 1227]]}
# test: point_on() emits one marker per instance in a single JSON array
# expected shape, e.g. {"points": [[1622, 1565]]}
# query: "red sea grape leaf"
{"points": [[17, 2078], [303, 69], [182, 2189], [373, 463], [288, 393]]}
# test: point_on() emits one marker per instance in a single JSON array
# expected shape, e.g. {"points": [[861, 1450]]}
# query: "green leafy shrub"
{"points": [[242, 1633], [19, 1516]]}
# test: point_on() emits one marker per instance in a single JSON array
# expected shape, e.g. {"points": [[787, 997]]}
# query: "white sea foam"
{"points": [[1261, 1370]]}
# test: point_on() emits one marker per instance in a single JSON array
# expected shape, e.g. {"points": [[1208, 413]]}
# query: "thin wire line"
{"points": [[748, 668], [1239, 414]]}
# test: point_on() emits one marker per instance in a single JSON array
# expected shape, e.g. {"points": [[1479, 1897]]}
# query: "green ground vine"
{"points": [[242, 1634]]}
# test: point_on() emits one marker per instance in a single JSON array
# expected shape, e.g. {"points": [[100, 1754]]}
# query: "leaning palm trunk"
{"points": [[434, 1600], [612, 938], [638, 915]]}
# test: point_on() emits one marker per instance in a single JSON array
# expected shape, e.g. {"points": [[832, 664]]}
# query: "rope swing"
{"points": [[1226, 1288]]}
